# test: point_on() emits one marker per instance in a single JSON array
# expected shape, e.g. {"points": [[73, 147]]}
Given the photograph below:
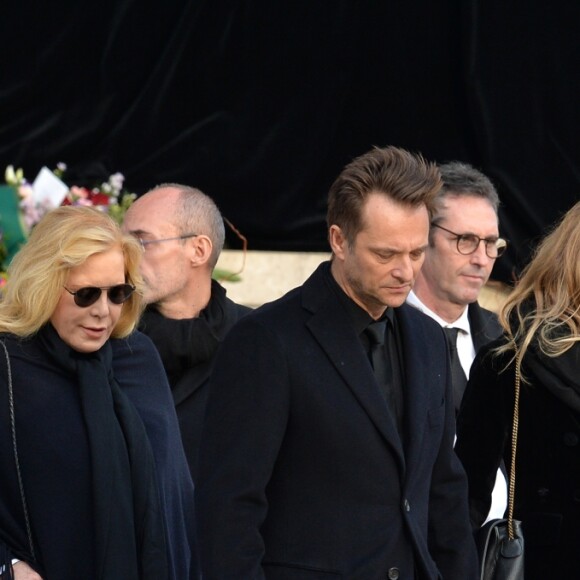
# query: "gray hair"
{"points": [[197, 213], [461, 179]]}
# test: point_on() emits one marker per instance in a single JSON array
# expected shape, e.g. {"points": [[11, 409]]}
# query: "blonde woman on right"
{"points": [[541, 321]]}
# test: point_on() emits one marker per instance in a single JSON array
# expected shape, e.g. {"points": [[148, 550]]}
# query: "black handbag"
{"points": [[501, 557], [500, 543]]}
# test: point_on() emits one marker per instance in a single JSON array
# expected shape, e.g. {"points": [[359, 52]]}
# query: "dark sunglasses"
{"points": [[88, 295]]}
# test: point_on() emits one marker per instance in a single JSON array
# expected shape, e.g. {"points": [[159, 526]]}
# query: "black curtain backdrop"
{"points": [[260, 103]]}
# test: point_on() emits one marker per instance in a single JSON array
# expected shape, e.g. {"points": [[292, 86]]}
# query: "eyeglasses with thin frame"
{"points": [[88, 295], [468, 243], [145, 243]]}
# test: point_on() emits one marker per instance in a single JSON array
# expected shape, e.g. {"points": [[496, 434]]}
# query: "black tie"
{"points": [[376, 334], [458, 377]]}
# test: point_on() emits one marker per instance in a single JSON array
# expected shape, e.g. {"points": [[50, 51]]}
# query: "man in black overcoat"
{"points": [[464, 244], [188, 314], [327, 449]]}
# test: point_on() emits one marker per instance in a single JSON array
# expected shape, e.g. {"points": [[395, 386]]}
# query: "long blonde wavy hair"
{"points": [[545, 304], [65, 237]]}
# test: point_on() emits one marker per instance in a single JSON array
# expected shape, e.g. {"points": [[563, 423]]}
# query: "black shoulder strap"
{"points": [[15, 450]]}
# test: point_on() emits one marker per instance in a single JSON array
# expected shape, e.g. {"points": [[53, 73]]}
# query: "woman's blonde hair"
{"points": [[65, 237], [545, 304]]}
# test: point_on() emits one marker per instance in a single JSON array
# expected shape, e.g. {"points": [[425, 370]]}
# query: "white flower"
{"points": [[116, 182], [13, 177]]}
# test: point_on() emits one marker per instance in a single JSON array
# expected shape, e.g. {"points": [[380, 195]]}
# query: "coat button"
{"points": [[406, 507], [393, 574], [570, 439]]}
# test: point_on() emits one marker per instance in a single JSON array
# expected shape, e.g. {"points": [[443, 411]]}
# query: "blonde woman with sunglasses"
{"points": [[94, 480]]}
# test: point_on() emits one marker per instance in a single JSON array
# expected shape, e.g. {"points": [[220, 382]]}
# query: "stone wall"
{"points": [[268, 275]]}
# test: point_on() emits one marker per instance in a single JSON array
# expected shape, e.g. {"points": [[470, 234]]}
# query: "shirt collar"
{"points": [[462, 322]]}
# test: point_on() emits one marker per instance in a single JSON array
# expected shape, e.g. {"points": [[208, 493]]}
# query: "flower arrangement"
{"points": [[22, 206], [110, 196], [18, 216]]}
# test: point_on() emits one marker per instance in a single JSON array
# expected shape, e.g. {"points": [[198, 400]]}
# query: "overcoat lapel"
{"points": [[190, 382], [417, 378], [484, 325]]}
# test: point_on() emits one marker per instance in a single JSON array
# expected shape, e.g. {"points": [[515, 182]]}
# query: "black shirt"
{"points": [[361, 319]]}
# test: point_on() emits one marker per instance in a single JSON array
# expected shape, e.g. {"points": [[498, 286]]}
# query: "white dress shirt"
{"points": [[465, 348], [466, 353]]}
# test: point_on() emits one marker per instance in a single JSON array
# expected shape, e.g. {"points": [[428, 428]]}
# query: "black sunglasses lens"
{"points": [[118, 294], [87, 296]]}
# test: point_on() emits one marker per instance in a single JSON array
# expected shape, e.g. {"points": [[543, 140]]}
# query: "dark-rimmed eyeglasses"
{"points": [[468, 243], [88, 295], [145, 243]]}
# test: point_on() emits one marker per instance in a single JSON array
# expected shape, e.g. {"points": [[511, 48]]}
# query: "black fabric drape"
{"points": [[260, 104]]}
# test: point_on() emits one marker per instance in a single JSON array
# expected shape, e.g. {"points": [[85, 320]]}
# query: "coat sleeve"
{"points": [[13, 534], [139, 371], [450, 543], [244, 427], [483, 427]]}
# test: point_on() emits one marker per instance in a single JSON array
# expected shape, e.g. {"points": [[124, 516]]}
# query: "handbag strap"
{"points": [[515, 424], [15, 452]]}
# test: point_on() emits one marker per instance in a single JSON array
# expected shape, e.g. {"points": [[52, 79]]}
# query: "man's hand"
{"points": [[22, 571]]}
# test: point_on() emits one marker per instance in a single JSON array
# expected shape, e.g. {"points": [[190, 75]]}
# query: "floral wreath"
{"points": [[22, 207]]}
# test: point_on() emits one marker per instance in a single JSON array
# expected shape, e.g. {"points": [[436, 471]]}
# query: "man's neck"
{"points": [[187, 305], [447, 311], [338, 276]]}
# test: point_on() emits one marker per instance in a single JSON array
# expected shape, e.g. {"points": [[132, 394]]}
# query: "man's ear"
{"points": [[201, 247], [337, 241]]}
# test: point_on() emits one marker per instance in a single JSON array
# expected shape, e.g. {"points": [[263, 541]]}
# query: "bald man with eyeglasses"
{"points": [[188, 314], [464, 243]]}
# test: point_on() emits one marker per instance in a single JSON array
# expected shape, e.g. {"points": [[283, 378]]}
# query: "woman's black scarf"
{"points": [[130, 534]]}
